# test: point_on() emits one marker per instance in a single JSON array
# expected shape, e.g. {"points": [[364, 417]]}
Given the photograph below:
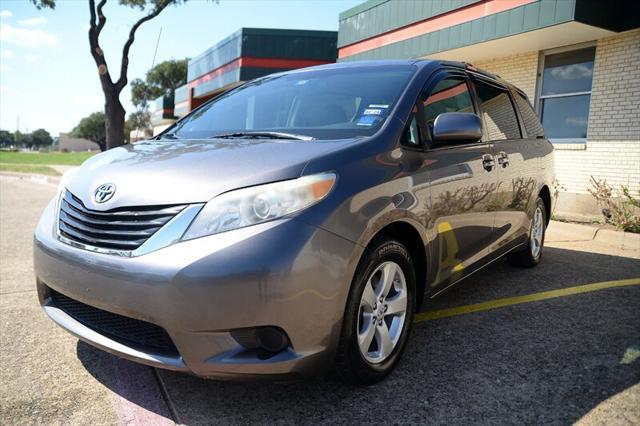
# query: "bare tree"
{"points": [[114, 111]]}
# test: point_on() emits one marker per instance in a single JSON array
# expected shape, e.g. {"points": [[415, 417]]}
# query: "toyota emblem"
{"points": [[104, 192]]}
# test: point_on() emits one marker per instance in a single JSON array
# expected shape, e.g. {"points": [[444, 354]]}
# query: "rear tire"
{"points": [[530, 256], [378, 315]]}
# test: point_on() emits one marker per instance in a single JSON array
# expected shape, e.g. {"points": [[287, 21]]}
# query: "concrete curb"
{"points": [[52, 180], [626, 240], [572, 232]]}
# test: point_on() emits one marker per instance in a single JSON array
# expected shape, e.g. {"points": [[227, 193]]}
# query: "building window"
{"points": [[565, 94]]}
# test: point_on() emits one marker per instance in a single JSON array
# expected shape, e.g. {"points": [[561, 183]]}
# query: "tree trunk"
{"points": [[113, 109], [114, 121]]}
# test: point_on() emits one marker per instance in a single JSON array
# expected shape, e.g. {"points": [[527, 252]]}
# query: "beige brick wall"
{"points": [[519, 70], [612, 151], [616, 161], [613, 138], [614, 113]]}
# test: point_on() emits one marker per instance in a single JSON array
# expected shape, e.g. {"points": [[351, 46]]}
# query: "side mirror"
{"points": [[456, 127]]}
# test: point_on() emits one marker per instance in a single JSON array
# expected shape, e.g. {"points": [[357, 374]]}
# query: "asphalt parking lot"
{"points": [[564, 359]]}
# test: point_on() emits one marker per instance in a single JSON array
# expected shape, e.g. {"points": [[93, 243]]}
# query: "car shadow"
{"points": [[132, 382], [550, 361]]}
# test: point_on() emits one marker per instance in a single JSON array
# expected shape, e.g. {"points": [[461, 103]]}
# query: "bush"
{"points": [[621, 212]]}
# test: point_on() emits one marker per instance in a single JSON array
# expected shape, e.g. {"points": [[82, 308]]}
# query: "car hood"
{"points": [[180, 172]]}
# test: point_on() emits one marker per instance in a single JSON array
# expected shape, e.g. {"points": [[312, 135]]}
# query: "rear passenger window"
{"points": [[449, 95], [497, 111], [531, 121]]}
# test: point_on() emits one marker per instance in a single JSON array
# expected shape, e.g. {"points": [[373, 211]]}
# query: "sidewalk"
{"points": [[563, 232]]}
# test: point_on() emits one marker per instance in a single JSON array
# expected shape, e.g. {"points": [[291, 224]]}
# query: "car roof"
{"points": [[420, 63]]}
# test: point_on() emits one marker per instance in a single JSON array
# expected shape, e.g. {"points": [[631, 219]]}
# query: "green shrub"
{"points": [[621, 212]]}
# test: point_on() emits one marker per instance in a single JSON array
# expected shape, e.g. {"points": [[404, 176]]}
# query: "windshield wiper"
{"points": [[262, 135], [167, 136]]}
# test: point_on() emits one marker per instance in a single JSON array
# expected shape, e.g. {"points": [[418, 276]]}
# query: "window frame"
{"points": [[540, 81], [508, 90], [523, 128], [425, 92]]}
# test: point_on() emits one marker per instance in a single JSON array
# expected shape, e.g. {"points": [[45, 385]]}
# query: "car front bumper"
{"points": [[284, 273]]}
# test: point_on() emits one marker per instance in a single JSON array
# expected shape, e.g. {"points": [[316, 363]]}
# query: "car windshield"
{"points": [[332, 103]]}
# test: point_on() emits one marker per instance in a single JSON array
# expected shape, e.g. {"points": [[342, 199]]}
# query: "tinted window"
{"points": [[531, 122], [449, 95], [497, 111], [332, 103]]}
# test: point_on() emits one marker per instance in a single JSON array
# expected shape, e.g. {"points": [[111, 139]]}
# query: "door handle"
{"points": [[503, 159], [488, 162]]}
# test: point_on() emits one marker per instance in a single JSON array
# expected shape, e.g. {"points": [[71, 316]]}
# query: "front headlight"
{"points": [[257, 204]]}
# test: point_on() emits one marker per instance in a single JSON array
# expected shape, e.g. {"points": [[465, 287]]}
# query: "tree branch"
{"points": [[101, 18], [122, 81], [95, 27]]}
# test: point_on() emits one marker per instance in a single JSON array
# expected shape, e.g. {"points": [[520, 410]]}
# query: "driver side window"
{"points": [[449, 95]]}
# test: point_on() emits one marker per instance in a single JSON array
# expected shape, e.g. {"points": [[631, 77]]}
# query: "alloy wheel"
{"points": [[537, 232], [382, 312]]}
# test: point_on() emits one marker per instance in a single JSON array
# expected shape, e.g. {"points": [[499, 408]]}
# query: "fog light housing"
{"points": [[270, 339]]}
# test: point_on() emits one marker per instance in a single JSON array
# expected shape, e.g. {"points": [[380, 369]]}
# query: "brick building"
{"points": [[577, 60]]}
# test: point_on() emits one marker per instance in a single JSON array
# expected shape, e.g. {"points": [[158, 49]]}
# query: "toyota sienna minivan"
{"points": [[293, 225]]}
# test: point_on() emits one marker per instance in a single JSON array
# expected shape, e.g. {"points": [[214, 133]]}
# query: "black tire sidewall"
{"points": [[381, 251]]}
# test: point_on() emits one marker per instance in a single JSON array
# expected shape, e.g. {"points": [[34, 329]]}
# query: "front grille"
{"points": [[131, 332], [124, 228]]}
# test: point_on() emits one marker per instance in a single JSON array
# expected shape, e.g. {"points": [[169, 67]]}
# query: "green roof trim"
{"points": [[355, 10], [265, 43], [529, 17], [376, 17]]}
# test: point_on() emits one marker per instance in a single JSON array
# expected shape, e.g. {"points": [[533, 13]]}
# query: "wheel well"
{"points": [[410, 238], [546, 198]]}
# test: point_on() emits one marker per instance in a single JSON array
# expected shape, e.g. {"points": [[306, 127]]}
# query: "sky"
{"points": [[48, 78]]}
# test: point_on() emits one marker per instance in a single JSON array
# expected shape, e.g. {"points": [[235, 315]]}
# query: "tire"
{"points": [[385, 257], [530, 256]]}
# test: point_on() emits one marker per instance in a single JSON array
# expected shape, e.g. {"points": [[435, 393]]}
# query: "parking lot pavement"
{"points": [[559, 360]]}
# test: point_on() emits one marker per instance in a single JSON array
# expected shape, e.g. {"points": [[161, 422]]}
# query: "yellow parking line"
{"points": [[534, 297]]}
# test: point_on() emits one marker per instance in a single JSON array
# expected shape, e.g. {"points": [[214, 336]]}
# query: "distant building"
{"points": [[246, 54], [67, 143], [139, 134]]}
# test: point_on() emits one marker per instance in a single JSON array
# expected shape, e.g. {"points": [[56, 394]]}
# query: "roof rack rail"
{"points": [[473, 68]]}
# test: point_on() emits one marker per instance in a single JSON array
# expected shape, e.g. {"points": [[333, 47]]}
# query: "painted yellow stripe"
{"points": [[517, 300]]}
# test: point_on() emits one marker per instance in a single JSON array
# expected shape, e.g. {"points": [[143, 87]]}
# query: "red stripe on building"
{"points": [[435, 23], [248, 61]]}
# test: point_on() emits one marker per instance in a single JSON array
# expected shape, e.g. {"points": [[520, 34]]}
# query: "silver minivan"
{"points": [[295, 224]]}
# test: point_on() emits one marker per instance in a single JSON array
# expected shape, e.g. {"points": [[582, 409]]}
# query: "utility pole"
{"points": [[17, 135]]}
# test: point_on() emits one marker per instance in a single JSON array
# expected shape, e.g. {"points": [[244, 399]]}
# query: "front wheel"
{"points": [[532, 254], [378, 314]]}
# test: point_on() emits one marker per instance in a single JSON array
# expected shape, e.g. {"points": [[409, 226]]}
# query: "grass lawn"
{"points": [[29, 168], [61, 158]]}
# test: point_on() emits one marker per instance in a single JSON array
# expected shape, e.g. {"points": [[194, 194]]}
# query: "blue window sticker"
{"points": [[367, 120]]}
